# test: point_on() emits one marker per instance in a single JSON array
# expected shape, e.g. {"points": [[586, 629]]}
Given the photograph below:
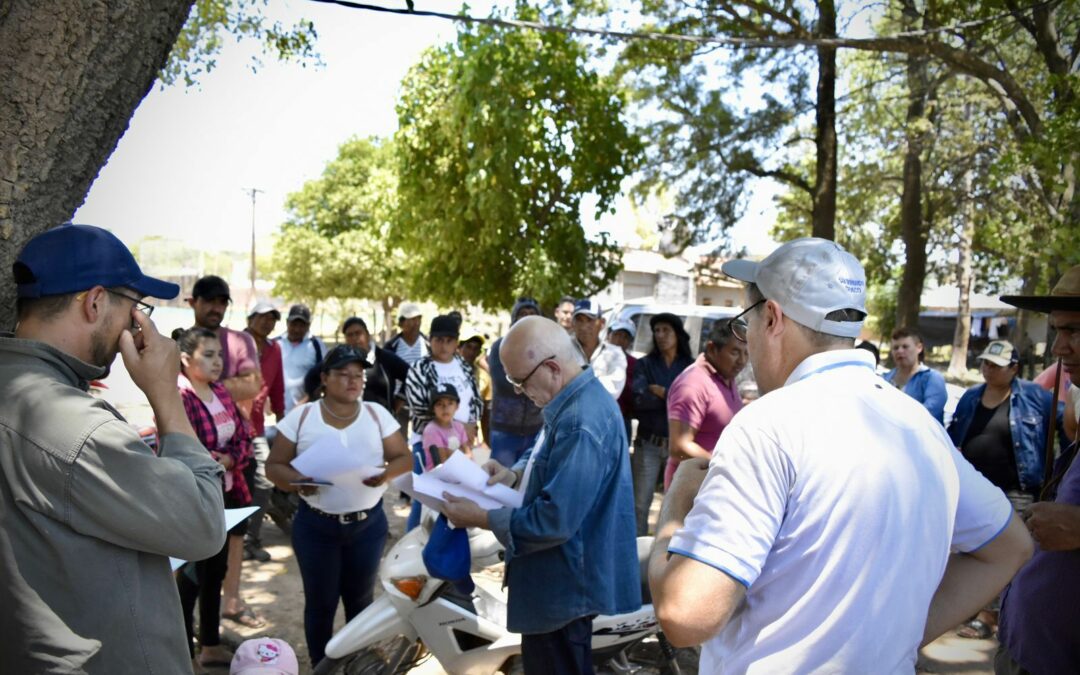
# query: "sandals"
{"points": [[975, 630], [245, 617]]}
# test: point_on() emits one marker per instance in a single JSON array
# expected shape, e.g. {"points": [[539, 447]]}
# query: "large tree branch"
{"points": [[964, 62]]}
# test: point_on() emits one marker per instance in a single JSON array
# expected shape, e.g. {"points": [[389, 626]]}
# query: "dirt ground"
{"points": [[274, 591]]}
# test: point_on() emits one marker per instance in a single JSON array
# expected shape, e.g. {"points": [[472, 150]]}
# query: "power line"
{"points": [[719, 40]]}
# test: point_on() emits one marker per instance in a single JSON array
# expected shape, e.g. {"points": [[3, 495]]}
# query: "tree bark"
{"points": [[824, 195], [962, 335], [912, 233], [74, 72]]}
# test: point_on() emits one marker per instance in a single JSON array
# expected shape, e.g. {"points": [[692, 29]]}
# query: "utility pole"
{"points": [[253, 191]]}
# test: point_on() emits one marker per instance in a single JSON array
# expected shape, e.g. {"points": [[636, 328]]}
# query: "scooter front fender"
{"points": [[379, 621]]}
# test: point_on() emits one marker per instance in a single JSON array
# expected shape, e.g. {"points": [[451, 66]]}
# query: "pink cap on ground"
{"points": [[264, 656]]}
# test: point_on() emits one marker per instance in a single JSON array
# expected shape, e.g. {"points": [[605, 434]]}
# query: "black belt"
{"points": [[345, 518], [655, 439]]}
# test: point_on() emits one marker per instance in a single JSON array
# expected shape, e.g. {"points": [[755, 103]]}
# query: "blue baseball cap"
{"points": [[588, 308], [73, 258]]}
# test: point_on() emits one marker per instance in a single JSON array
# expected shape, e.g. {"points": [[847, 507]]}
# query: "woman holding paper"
{"points": [[347, 450]]}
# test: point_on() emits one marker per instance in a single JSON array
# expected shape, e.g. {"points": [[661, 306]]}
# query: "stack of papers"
{"points": [[461, 477], [327, 459]]}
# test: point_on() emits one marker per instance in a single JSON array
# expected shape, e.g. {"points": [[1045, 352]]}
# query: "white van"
{"points": [[697, 320]]}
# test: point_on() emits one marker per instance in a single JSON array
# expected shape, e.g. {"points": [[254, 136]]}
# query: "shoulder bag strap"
{"points": [[300, 424]]}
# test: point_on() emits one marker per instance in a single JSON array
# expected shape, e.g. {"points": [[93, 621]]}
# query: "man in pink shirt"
{"points": [[242, 377], [704, 398]]}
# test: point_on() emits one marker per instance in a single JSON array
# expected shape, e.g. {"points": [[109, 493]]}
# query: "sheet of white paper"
{"points": [[461, 477], [328, 459], [232, 518], [404, 482]]}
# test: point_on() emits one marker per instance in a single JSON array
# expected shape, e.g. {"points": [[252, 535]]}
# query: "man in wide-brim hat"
{"points": [[1040, 611]]}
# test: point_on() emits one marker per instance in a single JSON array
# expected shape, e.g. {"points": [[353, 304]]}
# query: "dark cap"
{"points": [[299, 312], [444, 390], [343, 355], [445, 325], [210, 287], [1064, 297], [73, 258]]}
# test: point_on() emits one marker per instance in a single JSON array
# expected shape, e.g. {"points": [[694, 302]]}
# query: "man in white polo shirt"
{"points": [[819, 536]]}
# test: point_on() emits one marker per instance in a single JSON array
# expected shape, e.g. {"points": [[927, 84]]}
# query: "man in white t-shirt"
{"points": [[835, 528], [300, 352], [443, 366], [607, 361]]}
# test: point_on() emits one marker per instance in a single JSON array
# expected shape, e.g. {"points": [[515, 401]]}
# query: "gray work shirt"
{"points": [[88, 518]]}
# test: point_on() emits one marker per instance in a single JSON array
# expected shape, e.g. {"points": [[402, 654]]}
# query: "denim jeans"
{"points": [[507, 448], [337, 561], [567, 650], [417, 468], [646, 466]]}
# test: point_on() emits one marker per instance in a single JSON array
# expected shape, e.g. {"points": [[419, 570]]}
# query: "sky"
{"points": [[184, 167]]}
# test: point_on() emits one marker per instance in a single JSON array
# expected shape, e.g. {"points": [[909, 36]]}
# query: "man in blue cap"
{"points": [[88, 514]]}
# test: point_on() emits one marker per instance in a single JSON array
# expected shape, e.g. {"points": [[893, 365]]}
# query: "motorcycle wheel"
{"points": [[386, 658]]}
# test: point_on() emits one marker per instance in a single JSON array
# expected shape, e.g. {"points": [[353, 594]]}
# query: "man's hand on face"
{"points": [[1054, 526], [463, 512], [497, 473], [152, 360]]}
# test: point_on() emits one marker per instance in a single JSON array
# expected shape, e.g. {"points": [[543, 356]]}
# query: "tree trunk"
{"points": [[912, 233], [74, 72], [824, 197], [958, 363]]}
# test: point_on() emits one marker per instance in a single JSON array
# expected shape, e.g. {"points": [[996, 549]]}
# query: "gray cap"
{"points": [[809, 278]]}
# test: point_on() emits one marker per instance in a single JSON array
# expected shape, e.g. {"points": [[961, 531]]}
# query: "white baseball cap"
{"points": [[409, 310], [623, 324], [809, 278]]}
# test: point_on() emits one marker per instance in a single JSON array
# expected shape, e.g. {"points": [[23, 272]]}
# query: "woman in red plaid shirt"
{"points": [[225, 433]]}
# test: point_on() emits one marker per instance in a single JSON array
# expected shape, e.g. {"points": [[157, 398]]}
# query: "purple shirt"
{"points": [[238, 352], [701, 398], [1040, 612]]}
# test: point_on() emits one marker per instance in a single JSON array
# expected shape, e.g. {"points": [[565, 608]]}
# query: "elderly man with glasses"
{"points": [[570, 548], [89, 515]]}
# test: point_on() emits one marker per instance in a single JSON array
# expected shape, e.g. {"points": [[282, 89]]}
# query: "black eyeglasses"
{"points": [[520, 384], [139, 304], [738, 326]]}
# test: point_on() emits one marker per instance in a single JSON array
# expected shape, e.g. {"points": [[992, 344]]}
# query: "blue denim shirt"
{"points": [[1028, 406], [571, 549], [927, 386]]}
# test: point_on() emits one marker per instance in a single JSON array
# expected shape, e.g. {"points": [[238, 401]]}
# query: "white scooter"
{"points": [[467, 633]]}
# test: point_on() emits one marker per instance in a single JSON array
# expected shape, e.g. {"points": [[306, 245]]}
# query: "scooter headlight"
{"points": [[410, 586]]}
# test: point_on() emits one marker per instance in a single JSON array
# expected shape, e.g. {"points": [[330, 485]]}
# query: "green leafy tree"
{"points": [[500, 135], [212, 22], [335, 243]]}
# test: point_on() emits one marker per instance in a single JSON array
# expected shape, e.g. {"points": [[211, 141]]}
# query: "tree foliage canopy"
{"points": [[211, 22], [336, 241], [500, 136]]}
